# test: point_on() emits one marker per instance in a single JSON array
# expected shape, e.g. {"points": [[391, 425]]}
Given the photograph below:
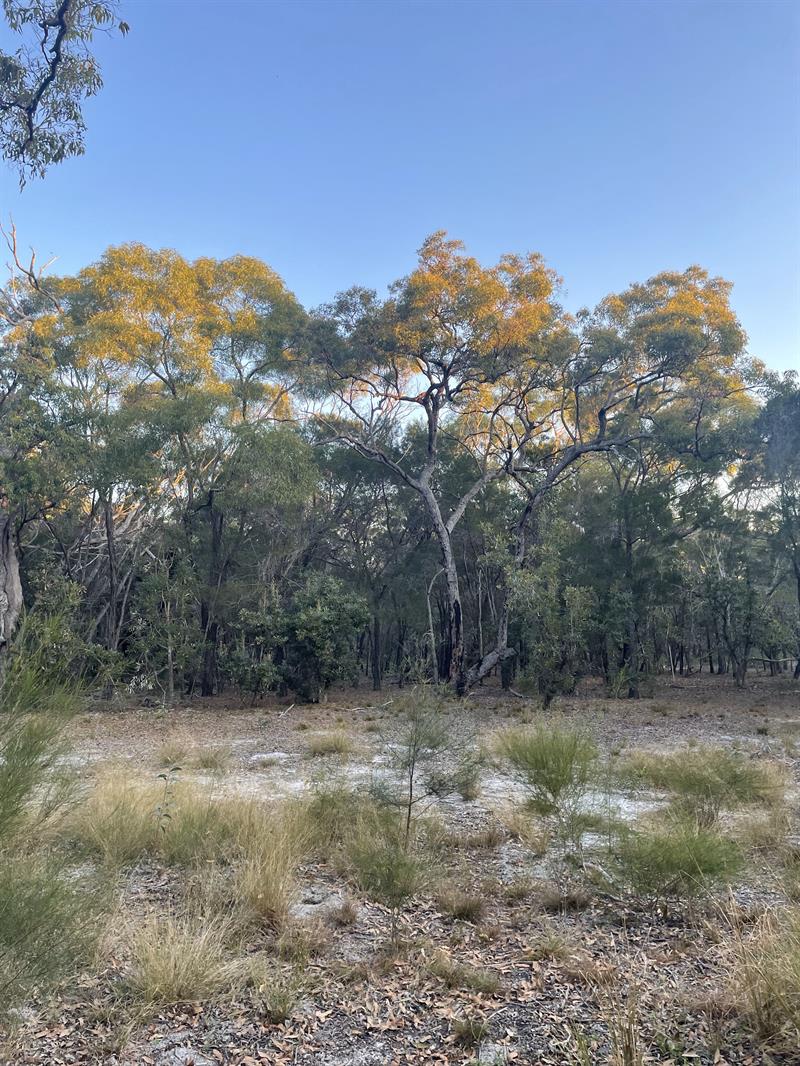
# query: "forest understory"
{"points": [[501, 929]]}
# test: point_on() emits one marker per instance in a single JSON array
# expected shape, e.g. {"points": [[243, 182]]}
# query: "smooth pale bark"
{"points": [[10, 585]]}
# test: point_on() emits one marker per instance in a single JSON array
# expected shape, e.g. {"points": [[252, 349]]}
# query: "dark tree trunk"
{"points": [[377, 652], [208, 684]]}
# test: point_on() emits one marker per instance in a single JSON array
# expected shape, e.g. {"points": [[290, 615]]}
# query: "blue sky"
{"points": [[617, 139]]}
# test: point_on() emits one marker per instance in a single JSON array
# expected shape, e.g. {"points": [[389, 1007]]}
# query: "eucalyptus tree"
{"points": [[178, 364], [485, 356], [45, 80]]}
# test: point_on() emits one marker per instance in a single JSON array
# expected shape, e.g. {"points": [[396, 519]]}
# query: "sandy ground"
{"points": [[367, 1009]]}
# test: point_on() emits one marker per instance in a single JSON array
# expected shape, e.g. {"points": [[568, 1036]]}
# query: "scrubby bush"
{"points": [[384, 863], [48, 918], [677, 858], [48, 925], [555, 766], [425, 757], [704, 781], [322, 625]]}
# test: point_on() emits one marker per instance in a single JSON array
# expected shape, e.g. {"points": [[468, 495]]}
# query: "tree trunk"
{"points": [[10, 585], [376, 654], [208, 607]]}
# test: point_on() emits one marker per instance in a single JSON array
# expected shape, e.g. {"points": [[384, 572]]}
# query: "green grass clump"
{"points": [[676, 859], [554, 765], [329, 814], [704, 781]]}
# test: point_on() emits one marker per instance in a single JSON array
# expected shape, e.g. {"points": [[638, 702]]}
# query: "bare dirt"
{"points": [[365, 1005]]}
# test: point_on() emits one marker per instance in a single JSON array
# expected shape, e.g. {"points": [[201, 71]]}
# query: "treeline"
{"points": [[224, 491]]}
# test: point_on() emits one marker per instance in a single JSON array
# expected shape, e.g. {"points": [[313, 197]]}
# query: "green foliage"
{"points": [[322, 625], [48, 925], [48, 919], [705, 781], [555, 619], [384, 863], [675, 859], [554, 764], [43, 86], [425, 756]]}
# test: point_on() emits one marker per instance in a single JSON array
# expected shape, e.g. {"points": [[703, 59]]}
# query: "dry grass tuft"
{"points": [[460, 975], [177, 960], [460, 903], [266, 878], [336, 742], [526, 830], [766, 976]]}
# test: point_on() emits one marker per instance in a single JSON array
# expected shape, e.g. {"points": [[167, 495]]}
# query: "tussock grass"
{"points": [[273, 990], [125, 819], [327, 817], [117, 822], [704, 781], [766, 976], [460, 903], [337, 742], [177, 960], [470, 1030], [301, 941], [456, 974], [547, 943], [477, 839], [529, 832], [173, 752], [266, 877], [182, 753], [216, 759]]}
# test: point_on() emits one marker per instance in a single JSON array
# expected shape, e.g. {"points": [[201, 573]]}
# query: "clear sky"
{"points": [[617, 139]]}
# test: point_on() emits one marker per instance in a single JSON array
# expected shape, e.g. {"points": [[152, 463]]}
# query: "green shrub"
{"points": [[384, 865], [48, 924], [48, 918], [705, 781], [425, 757], [676, 859], [555, 765]]}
